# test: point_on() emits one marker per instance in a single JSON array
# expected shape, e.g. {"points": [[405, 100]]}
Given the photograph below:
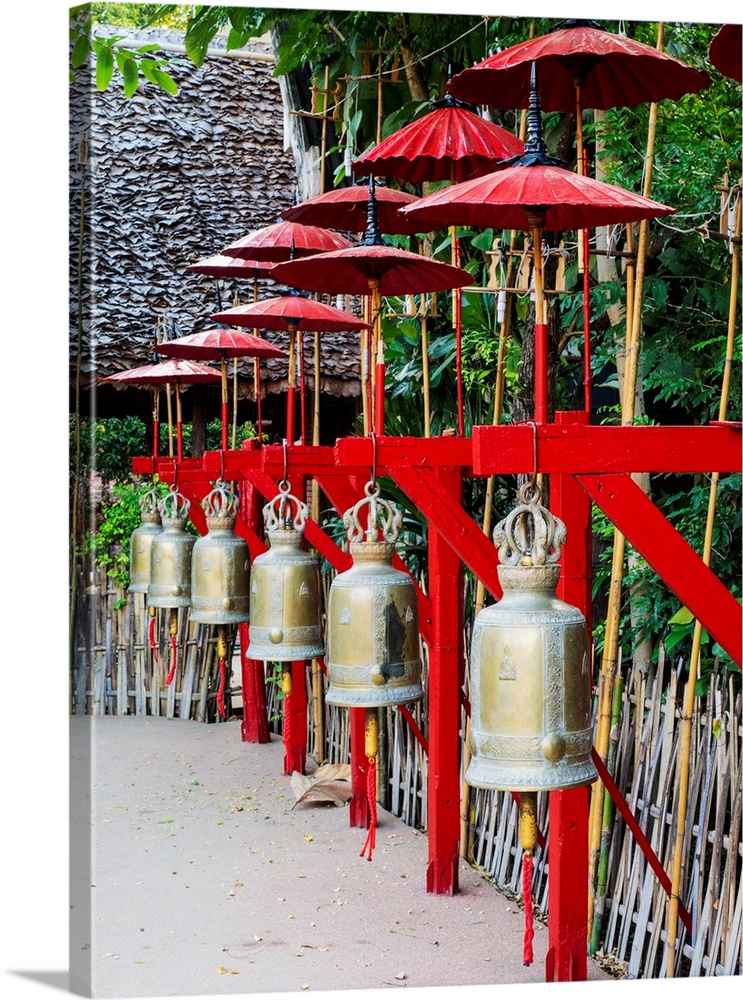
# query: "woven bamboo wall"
{"points": [[114, 673]]}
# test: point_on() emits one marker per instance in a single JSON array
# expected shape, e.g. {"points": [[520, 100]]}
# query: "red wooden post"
{"points": [[295, 721], [254, 728], [358, 814], [445, 661], [568, 844]]}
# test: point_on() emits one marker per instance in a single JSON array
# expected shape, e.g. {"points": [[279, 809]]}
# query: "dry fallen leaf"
{"points": [[401, 975], [329, 783], [221, 970]]}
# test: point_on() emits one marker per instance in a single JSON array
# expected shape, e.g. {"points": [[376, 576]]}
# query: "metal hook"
{"points": [[284, 479], [373, 437], [534, 486]]}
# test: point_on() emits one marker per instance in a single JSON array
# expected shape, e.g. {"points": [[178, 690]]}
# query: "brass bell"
{"points": [[220, 564], [530, 666], [170, 569], [373, 645], [140, 543], [285, 608]]}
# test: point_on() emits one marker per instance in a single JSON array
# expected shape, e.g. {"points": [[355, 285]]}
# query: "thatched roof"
{"points": [[170, 180]]}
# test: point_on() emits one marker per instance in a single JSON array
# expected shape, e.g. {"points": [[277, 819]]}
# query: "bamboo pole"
{"points": [[685, 734], [611, 639]]}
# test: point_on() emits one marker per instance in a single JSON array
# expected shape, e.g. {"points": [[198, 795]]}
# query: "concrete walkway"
{"points": [[197, 876]]}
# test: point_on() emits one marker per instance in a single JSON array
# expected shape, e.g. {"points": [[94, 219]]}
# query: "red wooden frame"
{"points": [[586, 463]]}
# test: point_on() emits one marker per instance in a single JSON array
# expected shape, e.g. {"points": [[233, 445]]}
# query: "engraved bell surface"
{"points": [[140, 543], [220, 563], [285, 606], [170, 570], [530, 668], [373, 643]]}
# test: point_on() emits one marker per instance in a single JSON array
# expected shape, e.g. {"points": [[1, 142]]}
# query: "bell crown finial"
{"points": [[148, 506], [384, 517], [373, 235], [530, 535], [174, 508], [285, 512], [221, 506]]}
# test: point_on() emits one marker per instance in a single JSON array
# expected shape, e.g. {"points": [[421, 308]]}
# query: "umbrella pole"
{"points": [[378, 339], [584, 256], [155, 422], [179, 421], [302, 402], [424, 360], [540, 327], [291, 385], [234, 405], [457, 317], [169, 400], [225, 419], [257, 391]]}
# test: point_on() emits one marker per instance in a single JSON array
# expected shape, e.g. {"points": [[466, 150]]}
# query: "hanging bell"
{"points": [[170, 570], [140, 543], [530, 666], [220, 564], [285, 609], [373, 644]]}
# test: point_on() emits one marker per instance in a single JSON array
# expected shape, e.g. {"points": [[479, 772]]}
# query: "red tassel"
{"points": [[526, 874], [220, 690], [151, 637], [173, 660], [371, 795]]}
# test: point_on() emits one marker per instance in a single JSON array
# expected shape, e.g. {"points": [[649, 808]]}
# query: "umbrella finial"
{"points": [[372, 236], [535, 148]]}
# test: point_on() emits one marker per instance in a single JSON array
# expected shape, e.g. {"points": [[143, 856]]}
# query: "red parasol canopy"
{"points": [[222, 266], [725, 51], [510, 198], [278, 313], [218, 344], [353, 271], [278, 242], [450, 143], [609, 69], [174, 372], [346, 208]]}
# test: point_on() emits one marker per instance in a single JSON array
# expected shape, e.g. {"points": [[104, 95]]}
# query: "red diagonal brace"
{"points": [[672, 558]]}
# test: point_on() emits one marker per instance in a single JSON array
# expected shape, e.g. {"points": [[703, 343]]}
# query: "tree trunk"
{"points": [[416, 83]]}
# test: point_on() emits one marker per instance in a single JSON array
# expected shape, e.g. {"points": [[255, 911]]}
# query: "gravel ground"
{"points": [[192, 873]]}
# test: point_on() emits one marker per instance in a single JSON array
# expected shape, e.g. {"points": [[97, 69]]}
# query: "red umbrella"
{"points": [[284, 239], [174, 372], [609, 70], [451, 143], [222, 266], [725, 51], [532, 193], [346, 208], [372, 268], [219, 345], [580, 65], [292, 313]]}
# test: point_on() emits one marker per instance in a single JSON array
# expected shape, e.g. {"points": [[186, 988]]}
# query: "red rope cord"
{"points": [[526, 873], [220, 689], [287, 734], [371, 795], [173, 660], [151, 638]]}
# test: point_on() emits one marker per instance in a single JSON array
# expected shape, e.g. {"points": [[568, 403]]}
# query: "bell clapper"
{"points": [[371, 749], [222, 654], [173, 644], [151, 633], [528, 840]]}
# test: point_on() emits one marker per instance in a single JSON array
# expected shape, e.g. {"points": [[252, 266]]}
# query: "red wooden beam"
{"points": [[595, 449], [671, 556]]}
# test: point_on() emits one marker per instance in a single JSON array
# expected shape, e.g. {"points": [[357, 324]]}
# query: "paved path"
{"points": [[205, 880]]}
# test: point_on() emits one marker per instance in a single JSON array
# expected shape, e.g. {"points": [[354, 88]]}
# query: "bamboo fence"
{"points": [[114, 673]]}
